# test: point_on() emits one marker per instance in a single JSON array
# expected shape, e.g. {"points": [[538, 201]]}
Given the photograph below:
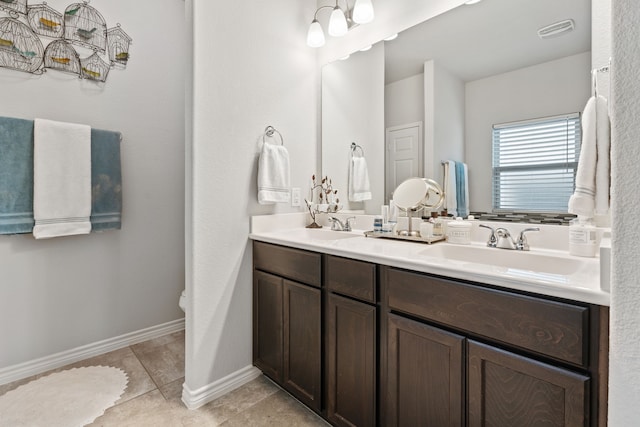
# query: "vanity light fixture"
{"points": [[391, 37], [366, 48], [340, 21]]}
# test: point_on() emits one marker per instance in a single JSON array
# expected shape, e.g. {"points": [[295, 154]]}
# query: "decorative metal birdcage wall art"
{"points": [[118, 43], [17, 6], [85, 26], [94, 68], [60, 55], [22, 47], [45, 21]]}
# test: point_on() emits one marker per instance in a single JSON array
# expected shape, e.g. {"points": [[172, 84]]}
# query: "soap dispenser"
{"points": [[583, 237]]}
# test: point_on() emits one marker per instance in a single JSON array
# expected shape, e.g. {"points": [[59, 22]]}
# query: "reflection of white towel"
{"points": [[61, 179], [450, 203], [273, 175], [591, 195], [359, 189]]}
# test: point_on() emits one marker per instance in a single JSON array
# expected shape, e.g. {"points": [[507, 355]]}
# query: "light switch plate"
{"points": [[295, 196]]}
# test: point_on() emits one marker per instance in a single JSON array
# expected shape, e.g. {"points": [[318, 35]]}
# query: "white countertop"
{"points": [[571, 277]]}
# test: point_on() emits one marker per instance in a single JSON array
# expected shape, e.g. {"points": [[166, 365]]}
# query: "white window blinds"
{"points": [[534, 163]]}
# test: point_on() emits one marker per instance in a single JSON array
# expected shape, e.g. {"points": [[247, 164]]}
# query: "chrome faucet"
{"points": [[501, 238], [338, 225]]}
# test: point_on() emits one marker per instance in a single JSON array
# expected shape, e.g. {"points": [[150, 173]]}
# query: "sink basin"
{"points": [[507, 259], [319, 234]]}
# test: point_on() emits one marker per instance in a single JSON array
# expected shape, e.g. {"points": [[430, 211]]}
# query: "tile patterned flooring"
{"points": [[153, 395]]}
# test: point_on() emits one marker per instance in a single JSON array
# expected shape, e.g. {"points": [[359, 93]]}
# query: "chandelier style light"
{"points": [[340, 21]]}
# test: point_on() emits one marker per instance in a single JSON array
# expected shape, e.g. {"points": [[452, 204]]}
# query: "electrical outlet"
{"points": [[295, 196]]}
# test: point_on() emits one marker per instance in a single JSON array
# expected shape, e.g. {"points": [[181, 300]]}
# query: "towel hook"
{"points": [[354, 147], [269, 131]]}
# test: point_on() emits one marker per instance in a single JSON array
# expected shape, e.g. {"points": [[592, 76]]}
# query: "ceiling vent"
{"points": [[556, 29]]}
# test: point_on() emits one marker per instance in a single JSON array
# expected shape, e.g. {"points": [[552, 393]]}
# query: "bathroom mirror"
{"points": [[434, 93]]}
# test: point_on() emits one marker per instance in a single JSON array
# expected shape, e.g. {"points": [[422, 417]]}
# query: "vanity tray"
{"points": [[386, 235]]}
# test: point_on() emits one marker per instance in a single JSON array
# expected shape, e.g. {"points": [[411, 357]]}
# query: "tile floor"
{"points": [[153, 395]]}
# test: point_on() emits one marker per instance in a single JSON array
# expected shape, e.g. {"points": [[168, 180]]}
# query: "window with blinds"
{"points": [[534, 163]]}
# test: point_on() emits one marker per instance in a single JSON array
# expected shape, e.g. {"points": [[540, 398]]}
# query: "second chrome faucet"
{"points": [[501, 238]]}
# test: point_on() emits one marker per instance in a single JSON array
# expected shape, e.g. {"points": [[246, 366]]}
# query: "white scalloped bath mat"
{"points": [[74, 397]]}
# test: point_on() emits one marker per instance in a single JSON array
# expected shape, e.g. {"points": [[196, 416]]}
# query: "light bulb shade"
{"points": [[338, 23], [315, 36], [363, 12]]}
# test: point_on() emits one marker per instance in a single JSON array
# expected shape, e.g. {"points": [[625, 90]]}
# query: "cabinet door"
{"points": [[267, 324], [351, 362], [506, 389], [302, 343], [425, 375]]}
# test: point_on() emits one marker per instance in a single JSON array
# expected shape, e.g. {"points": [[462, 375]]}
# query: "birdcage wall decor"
{"points": [[94, 68], [20, 47], [118, 43], [45, 21], [60, 55], [80, 27], [85, 26], [18, 6]]}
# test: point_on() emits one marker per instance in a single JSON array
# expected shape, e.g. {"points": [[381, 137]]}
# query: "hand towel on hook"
{"points": [[591, 195], [273, 174], [62, 179]]}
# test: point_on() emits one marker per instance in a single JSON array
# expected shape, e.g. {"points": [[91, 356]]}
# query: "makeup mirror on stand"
{"points": [[415, 194]]}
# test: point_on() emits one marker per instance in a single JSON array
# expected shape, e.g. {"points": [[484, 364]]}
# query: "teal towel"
{"points": [[461, 190], [106, 180], [16, 176]]}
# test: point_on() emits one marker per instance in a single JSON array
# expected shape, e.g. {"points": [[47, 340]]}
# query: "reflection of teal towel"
{"points": [[461, 190], [106, 180], [16, 178]]}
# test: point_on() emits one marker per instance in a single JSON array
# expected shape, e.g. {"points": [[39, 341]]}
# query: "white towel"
{"points": [[450, 199], [359, 188], [273, 175], [61, 179], [591, 195]]}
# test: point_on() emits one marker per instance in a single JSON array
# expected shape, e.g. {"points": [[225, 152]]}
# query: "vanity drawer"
{"points": [[352, 278], [295, 264], [550, 328]]}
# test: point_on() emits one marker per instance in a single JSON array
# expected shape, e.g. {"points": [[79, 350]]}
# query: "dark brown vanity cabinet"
{"points": [[425, 381], [464, 354], [506, 389], [351, 342], [287, 320], [371, 345]]}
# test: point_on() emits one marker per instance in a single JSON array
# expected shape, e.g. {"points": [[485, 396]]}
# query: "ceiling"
{"points": [[490, 37]]}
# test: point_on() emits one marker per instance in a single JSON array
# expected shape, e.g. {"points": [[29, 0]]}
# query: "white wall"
{"points": [[252, 68], [548, 89], [447, 134], [624, 356], [404, 101], [353, 111], [67, 292]]}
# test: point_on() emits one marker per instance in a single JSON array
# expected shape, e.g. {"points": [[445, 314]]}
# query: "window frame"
{"points": [[569, 163]]}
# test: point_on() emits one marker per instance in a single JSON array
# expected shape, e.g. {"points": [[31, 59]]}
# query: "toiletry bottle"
{"points": [[377, 224], [393, 216], [386, 227], [583, 237]]}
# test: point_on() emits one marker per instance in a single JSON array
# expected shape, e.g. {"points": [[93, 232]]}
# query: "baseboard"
{"points": [[43, 364], [202, 396]]}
